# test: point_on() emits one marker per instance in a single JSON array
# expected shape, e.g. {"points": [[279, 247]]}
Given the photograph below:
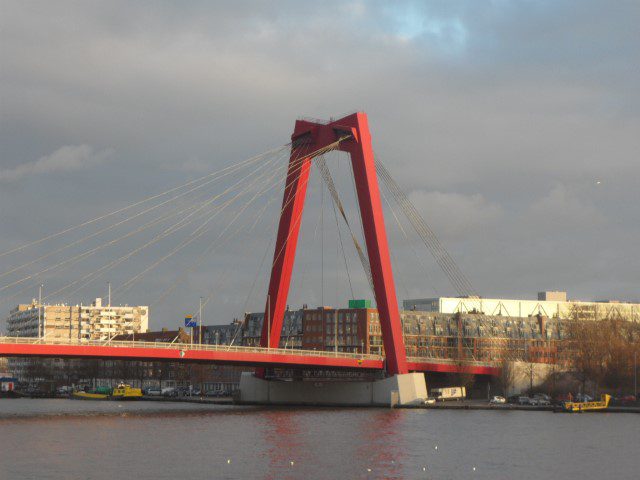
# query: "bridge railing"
{"points": [[225, 348], [451, 361], [185, 346]]}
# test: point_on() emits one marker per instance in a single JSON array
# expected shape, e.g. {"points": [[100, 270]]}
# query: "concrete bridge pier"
{"points": [[403, 389]]}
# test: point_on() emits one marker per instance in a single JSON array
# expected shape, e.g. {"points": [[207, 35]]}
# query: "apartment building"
{"points": [[77, 322], [290, 336]]}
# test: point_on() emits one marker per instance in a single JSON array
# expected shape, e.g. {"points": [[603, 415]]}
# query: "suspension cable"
{"points": [[99, 247], [328, 180], [207, 251], [179, 225], [197, 233], [125, 220], [140, 202], [406, 237], [298, 163], [441, 255]]}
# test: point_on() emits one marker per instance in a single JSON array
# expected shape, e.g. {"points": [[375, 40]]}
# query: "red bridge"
{"points": [[224, 355], [310, 141]]}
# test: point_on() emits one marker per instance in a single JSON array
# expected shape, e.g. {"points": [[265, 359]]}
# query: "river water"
{"points": [[70, 439]]}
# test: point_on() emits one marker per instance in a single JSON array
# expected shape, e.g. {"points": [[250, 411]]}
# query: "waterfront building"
{"points": [[71, 322], [77, 322], [426, 334], [231, 334], [291, 334], [549, 304], [164, 335], [344, 330]]}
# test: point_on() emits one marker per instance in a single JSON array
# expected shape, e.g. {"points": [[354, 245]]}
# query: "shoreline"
{"points": [[212, 400], [474, 405], [464, 405]]}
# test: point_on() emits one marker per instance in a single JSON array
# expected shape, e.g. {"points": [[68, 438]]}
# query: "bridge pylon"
{"points": [[308, 140]]}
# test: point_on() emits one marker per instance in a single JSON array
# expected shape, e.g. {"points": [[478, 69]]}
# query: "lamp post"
{"points": [[200, 326], [40, 311], [268, 322], [335, 332], [635, 374]]}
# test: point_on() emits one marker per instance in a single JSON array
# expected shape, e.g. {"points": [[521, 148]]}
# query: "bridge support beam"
{"points": [[349, 134], [396, 390]]}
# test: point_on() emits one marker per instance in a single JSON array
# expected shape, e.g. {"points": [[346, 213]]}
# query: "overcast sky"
{"points": [[513, 126]]}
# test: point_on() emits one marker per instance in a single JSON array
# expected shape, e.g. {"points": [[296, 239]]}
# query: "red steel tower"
{"points": [[309, 138]]}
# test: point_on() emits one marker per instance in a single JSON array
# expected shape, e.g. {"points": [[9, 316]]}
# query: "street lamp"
{"points": [[635, 374], [268, 322], [40, 311], [335, 332], [200, 320]]}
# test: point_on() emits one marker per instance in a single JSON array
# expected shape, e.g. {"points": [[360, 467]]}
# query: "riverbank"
{"points": [[205, 400], [482, 405], [464, 405]]}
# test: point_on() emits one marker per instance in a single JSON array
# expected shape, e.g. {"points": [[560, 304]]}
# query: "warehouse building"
{"points": [[549, 304]]}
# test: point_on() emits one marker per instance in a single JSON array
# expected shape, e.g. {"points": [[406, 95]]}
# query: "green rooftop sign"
{"points": [[359, 303]]}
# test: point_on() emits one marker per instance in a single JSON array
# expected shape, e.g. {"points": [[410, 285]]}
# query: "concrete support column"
{"points": [[402, 389]]}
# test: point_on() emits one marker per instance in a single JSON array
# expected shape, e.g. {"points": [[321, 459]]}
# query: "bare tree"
{"points": [[507, 376]]}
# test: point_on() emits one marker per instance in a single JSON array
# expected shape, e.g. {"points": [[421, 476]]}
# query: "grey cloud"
{"points": [[64, 159], [453, 214], [564, 208], [501, 138]]}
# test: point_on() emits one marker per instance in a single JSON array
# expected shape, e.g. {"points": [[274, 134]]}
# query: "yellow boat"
{"points": [[89, 396], [603, 404], [126, 392], [121, 392]]}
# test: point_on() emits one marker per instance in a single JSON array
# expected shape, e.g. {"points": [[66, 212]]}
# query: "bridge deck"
{"points": [[224, 354]]}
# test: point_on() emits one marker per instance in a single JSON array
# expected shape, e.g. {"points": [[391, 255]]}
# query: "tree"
{"points": [[602, 351], [507, 376]]}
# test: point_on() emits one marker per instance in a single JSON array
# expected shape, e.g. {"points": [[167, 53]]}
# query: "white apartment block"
{"points": [[549, 304], [77, 322]]}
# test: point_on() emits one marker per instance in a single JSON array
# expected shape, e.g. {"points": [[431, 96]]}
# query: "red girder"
{"points": [[182, 353], [433, 366], [308, 138]]}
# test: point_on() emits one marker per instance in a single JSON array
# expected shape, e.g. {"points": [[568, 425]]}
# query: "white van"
{"points": [[449, 393]]}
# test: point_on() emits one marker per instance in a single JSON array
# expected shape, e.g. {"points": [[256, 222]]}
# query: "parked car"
{"points": [[563, 397], [513, 399], [169, 392], [524, 401], [497, 400], [429, 401], [542, 396], [583, 397], [182, 391], [153, 392], [627, 399]]}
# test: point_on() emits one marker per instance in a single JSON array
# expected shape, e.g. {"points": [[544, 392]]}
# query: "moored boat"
{"points": [[89, 395], [126, 392], [603, 404], [98, 393], [121, 392]]}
